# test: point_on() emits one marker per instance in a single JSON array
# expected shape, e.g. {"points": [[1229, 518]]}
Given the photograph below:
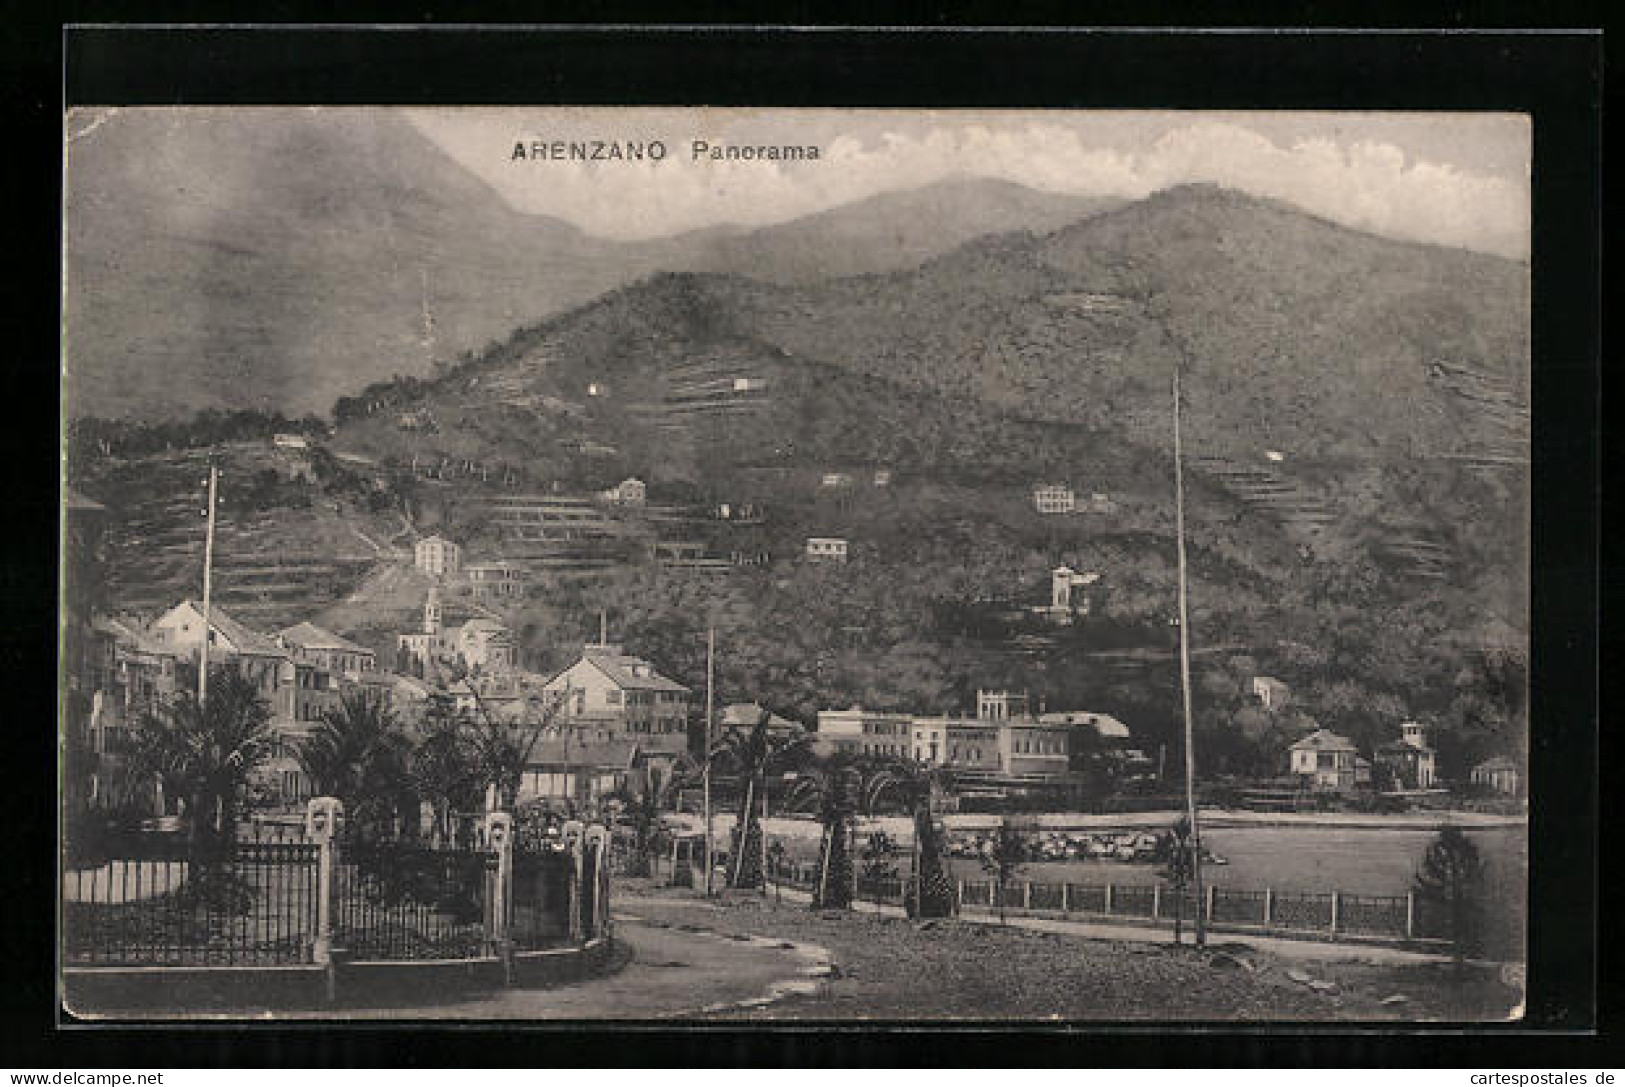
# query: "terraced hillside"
{"points": [[272, 566]]}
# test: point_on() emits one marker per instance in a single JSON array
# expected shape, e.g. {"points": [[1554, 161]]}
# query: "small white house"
{"points": [[826, 549], [1052, 498]]}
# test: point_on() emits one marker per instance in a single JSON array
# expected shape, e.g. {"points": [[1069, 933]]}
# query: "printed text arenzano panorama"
{"points": [[658, 151]]}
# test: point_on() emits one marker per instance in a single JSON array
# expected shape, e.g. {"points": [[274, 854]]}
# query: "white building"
{"points": [[438, 556], [826, 549], [495, 580], [1271, 692], [628, 492], [1054, 498]]}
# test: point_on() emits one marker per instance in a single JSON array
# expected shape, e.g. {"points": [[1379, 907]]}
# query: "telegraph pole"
{"points": [[208, 570], [710, 680], [1185, 675]]}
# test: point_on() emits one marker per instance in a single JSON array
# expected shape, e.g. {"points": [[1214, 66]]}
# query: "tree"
{"points": [[915, 786], [832, 792], [1178, 868], [206, 752], [359, 754], [753, 755], [442, 771], [1451, 879], [1003, 862]]}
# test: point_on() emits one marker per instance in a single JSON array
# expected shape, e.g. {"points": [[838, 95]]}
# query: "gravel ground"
{"points": [[890, 968]]}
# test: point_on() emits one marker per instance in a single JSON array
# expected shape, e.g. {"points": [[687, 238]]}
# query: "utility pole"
{"points": [[208, 570], [710, 680], [1185, 674]]}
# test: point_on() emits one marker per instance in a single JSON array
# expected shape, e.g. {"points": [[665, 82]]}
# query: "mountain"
{"points": [[1370, 396], [886, 232], [279, 259]]}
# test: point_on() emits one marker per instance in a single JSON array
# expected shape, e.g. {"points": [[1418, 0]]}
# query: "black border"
{"points": [[1555, 77]]}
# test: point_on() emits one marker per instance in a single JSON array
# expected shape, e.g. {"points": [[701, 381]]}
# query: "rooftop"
{"points": [[310, 636], [1323, 740]]}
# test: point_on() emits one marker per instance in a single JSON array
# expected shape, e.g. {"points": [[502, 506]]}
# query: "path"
{"points": [[674, 972]]}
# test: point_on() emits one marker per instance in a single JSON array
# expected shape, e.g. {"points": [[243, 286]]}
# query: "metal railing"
{"points": [[307, 897]]}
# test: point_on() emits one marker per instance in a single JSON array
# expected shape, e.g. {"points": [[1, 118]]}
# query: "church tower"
{"points": [[431, 612]]}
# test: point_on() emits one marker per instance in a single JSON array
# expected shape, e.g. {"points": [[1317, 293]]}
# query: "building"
{"points": [[257, 656], [289, 441], [1000, 705], [1500, 774], [628, 492], [1069, 594], [438, 556], [429, 642], [1409, 759], [826, 549], [1054, 498], [621, 695], [325, 650], [1325, 760], [499, 580], [859, 732], [835, 479], [1035, 748], [883, 477], [745, 715], [1272, 693], [485, 645]]}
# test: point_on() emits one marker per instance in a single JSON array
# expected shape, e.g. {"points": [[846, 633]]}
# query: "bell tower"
{"points": [[431, 612]]}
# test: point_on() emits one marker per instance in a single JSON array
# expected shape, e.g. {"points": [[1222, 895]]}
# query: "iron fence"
{"points": [[251, 903], [258, 901], [1302, 911], [1240, 907]]}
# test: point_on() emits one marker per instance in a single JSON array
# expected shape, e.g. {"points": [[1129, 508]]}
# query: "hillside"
{"points": [[1357, 497]]}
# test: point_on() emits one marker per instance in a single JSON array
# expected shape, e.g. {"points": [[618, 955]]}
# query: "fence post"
{"points": [[959, 892], [1156, 902], [1066, 905], [1410, 916], [1108, 902], [324, 815], [1269, 906], [499, 840], [1335, 903], [1210, 891], [1027, 894], [573, 834], [598, 839]]}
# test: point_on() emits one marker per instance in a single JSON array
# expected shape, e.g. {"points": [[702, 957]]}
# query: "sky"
{"points": [[1456, 179]]}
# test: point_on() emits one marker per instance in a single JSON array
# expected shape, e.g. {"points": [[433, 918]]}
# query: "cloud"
{"points": [[1367, 183]]}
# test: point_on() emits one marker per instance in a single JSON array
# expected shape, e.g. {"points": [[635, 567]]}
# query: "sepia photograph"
{"points": [[794, 566]]}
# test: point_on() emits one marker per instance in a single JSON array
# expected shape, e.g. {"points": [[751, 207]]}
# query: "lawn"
{"points": [[894, 969]]}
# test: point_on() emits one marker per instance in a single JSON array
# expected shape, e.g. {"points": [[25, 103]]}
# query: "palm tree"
{"points": [[915, 786], [832, 791], [360, 754], [753, 755], [206, 752], [500, 752]]}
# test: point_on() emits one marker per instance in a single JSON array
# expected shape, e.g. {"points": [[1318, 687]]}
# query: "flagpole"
{"points": [[208, 567], [1185, 675], [710, 679]]}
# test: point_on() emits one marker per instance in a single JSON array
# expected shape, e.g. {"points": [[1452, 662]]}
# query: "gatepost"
{"points": [[324, 820], [498, 828], [598, 841], [573, 833]]}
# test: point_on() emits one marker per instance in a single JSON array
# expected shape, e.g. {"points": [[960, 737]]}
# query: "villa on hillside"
{"points": [[1325, 760], [1271, 693], [1409, 759], [438, 556], [826, 549], [1052, 498]]}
